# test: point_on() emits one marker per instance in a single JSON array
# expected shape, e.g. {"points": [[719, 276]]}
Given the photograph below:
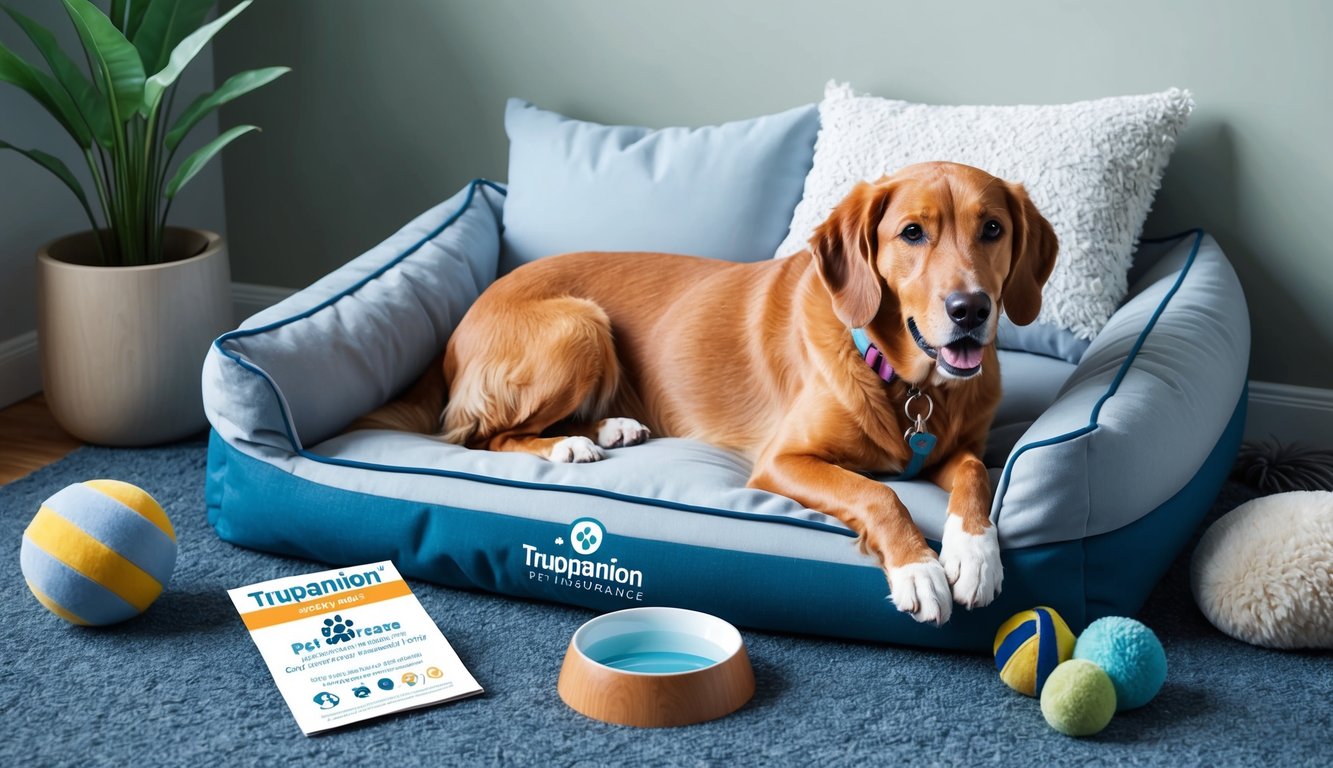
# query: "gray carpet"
{"points": [[183, 684]]}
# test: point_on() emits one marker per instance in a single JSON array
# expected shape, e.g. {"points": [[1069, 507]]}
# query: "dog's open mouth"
{"points": [[960, 358]]}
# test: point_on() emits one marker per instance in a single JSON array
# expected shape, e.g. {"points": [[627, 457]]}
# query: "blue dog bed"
{"points": [[1102, 469]]}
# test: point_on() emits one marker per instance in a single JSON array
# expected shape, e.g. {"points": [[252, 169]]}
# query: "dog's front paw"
{"points": [[921, 590], [615, 433], [576, 450], [972, 563]]}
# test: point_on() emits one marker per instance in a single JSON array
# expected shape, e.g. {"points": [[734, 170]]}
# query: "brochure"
{"points": [[349, 644]]}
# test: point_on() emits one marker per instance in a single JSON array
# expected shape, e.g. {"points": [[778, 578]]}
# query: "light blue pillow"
{"points": [[725, 191]]}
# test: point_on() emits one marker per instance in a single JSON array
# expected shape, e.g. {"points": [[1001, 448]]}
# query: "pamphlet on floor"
{"points": [[349, 644]]}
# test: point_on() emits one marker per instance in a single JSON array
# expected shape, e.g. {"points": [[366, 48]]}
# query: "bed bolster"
{"points": [[1139, 415], [300, 371]]}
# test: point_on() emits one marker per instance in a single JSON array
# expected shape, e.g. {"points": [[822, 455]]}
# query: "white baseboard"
{"points": [[20, 368], [249, 298], [1290, 413]]}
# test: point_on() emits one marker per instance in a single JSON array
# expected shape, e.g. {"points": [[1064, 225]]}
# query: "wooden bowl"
{"points": [[656, 667]]}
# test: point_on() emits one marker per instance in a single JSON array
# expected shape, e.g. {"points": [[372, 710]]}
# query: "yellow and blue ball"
{"points": [[98, 552], [1029, 646]]}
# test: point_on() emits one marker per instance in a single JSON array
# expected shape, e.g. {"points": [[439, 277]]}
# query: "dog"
{"points": [[574, 354]]}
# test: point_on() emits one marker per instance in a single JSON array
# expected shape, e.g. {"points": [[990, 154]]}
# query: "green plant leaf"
{"points": [[182, 55], [117, 14], [196, 161], [127, 14], [115, 62], [236, 86], [135, 19], [47, 92], [164, 24], [92, 109], [55, 166]]}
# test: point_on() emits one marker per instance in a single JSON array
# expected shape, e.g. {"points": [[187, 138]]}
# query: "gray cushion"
{"points": [[723, 191]]}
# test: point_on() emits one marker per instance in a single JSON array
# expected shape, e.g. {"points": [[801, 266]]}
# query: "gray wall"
{"points": [[36, 208], [395, 104]]}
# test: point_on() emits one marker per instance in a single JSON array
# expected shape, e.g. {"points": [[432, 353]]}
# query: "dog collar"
{"points": [[918, 439], [873, 357]]}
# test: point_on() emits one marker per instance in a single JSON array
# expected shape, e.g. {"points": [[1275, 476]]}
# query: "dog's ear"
{"points": [[1035, 247], [844, 247]]}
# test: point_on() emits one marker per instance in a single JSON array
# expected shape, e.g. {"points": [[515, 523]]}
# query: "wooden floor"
{"points": [[30, 439]]}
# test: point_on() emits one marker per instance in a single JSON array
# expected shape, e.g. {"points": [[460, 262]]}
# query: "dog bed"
{"points": [[1102, 469]]}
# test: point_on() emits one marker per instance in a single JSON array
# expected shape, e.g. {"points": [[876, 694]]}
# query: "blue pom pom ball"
{"points": [[1130, 654]]}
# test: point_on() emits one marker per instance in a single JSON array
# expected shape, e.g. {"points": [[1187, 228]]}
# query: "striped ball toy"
{"points": [[98, 552], [1029, 646]]}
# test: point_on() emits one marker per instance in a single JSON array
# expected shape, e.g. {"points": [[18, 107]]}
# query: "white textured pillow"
{"points": [[1263, 573], [1091, 168]]}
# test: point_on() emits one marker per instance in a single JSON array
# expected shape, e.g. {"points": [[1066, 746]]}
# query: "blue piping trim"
{"points": [[600, 492], [1120, 374], [301, 451]]}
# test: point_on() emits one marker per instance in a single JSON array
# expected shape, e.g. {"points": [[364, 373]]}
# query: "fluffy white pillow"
{"points": [[1263, 573], [1091, 168]]}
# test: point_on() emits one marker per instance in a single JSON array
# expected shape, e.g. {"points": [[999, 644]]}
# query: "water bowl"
{"points": [[656, 667]]}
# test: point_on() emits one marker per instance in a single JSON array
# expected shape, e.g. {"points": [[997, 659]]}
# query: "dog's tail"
{"points": [[420, 408]]}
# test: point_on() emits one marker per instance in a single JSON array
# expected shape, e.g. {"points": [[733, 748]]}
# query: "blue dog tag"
{"points": [[921, 443]]}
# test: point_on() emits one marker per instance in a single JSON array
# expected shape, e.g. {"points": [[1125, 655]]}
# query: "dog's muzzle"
{"points": [[960, 357]]}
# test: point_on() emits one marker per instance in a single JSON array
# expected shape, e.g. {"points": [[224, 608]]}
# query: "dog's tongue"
{"points": [[964, 355]]}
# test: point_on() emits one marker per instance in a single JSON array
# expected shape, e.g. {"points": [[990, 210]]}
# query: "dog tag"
{"points": [[921, 443]]}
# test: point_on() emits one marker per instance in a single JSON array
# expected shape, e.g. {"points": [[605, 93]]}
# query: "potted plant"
{"points": [[127, 309]]}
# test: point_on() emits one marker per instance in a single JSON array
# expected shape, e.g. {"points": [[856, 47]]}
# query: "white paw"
{"points": [[576, 450], [614, 433], [972, 563], [921, 590]]}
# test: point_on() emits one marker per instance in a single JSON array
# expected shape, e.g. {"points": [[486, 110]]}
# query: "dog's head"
{"points": [[926, 259]]}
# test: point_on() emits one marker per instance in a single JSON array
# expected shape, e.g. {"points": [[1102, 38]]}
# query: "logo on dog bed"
{"points": [[586, 535]]}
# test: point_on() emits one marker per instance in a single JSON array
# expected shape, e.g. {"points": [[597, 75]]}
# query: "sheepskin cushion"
{"points": [[1263, 573], [1091, 167]]}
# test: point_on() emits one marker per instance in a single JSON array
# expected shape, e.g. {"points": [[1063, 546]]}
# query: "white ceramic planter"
{"points": [[122, 347]]}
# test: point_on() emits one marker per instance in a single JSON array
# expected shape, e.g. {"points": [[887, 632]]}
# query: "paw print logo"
{"points": [[586, 536], [560, 541], [337, 630]]}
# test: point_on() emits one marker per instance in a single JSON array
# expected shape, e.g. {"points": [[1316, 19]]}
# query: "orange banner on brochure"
{"points": [[281, 614]]}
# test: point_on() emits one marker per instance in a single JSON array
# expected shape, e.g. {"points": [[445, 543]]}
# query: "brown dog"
{"points": [[759, 358]]}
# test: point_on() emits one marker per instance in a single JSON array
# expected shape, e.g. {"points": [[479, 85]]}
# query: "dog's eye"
{"points": [[913, 233], [991, 230]]}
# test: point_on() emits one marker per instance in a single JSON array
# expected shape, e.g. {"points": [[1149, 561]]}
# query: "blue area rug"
{"points": [[183, 684]]}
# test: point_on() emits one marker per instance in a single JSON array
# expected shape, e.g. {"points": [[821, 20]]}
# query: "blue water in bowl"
{"points": [[655, 652]]}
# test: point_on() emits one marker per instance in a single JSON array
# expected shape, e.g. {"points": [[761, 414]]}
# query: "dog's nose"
{"points": [[968, 310]]}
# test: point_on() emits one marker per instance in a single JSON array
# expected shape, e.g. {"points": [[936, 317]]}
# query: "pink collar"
{"points": [[873, 357]]}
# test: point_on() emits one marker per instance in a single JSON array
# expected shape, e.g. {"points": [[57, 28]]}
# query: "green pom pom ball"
{"points": [[1078, 698]]}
